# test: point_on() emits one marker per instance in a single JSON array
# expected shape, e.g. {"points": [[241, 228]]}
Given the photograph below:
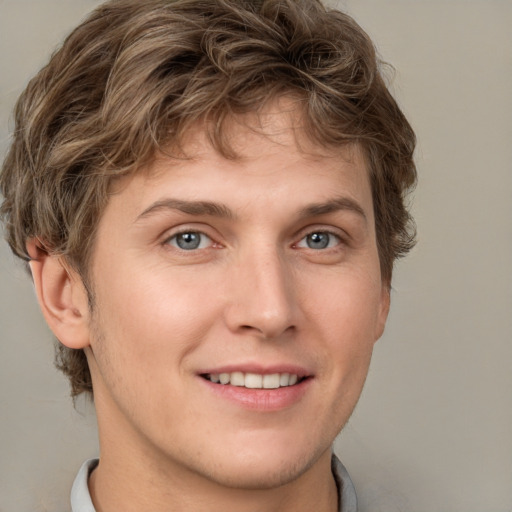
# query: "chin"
{"points": [[265, 469], [250, 476]]}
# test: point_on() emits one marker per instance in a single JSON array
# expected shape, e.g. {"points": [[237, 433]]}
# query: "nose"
{"points": [[262, 298]]}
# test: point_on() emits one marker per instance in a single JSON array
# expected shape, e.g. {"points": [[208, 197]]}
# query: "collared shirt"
{"points": [[81, 499]]}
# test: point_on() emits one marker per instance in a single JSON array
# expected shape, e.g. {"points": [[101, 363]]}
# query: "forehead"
{"points": [[282, 122], [266, 151], [240, 139]]}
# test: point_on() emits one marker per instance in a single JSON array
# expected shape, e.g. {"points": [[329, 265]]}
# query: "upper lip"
{"points": [[300, 371]]}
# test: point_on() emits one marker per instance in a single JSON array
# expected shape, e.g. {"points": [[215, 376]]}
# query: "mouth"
{"points": [[254, 380]]}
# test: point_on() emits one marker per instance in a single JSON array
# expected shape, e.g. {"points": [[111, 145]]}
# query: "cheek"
{"points": [[347, 304], [347, 314], [150, 322], [143, 335]]}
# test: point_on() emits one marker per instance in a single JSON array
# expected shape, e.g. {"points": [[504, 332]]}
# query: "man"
{"points": [[209, 194]]}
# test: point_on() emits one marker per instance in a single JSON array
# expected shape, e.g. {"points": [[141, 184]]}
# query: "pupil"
{"points": [[318, 240], [188, 241]]}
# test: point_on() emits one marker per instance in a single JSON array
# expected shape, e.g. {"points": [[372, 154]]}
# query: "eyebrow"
{"points": [[212, 209], [331, 206], [197, 208]]}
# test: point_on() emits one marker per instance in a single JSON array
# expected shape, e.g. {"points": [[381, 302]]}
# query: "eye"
{"points": [[319, 240], [190, 240]]}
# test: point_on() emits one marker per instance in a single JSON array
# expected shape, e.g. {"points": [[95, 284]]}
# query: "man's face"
{"points": [[260, 271]]}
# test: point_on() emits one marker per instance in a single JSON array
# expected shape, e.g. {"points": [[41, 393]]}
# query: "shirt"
{"points": [[81, 499]]}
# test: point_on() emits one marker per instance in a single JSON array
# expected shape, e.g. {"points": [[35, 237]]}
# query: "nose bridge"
{"points": [[263, 293]]}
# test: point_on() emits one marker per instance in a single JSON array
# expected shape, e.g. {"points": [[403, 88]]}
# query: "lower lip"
{"points": [[260, 399]]}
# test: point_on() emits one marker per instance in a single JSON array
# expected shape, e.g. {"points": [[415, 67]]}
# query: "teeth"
{"points": [[271, 381], [284, 379], [254, 380], [237, 379]]}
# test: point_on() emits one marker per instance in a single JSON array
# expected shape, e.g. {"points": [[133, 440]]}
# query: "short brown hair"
{"points": [[136, 74]]}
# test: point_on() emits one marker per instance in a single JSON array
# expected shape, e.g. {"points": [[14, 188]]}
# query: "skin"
{"points": [[253, 293]]}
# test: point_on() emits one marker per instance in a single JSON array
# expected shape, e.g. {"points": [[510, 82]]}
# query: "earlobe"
{"points": [[61, 295]]}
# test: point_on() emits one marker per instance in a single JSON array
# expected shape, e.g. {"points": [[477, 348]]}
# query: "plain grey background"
{"points": [[433, 430]]}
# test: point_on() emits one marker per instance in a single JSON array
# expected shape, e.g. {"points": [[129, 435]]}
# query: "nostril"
{"points": [[267, 332]]}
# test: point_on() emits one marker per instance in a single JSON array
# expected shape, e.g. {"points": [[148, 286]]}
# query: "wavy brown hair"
{"points": [[137, 74]]}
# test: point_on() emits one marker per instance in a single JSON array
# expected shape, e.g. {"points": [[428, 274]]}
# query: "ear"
{"points": [[61, 295], [383, 312]]}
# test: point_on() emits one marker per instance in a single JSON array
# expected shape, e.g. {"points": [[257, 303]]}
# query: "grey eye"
{"points": [[190, 240], [319, 240]]}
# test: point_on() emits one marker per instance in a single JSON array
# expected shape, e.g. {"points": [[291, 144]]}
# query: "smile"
{"points": [[254, 380]]}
